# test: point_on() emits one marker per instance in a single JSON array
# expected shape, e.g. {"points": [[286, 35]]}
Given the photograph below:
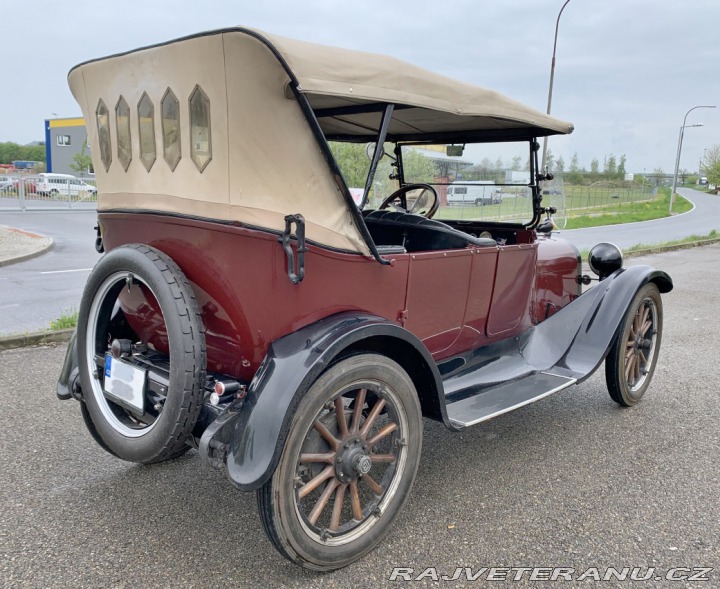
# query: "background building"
{"points": [[63, 139]]}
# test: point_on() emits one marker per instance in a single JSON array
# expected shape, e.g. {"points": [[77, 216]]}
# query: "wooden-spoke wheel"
{"points": [[631, 362], [348, 464]]}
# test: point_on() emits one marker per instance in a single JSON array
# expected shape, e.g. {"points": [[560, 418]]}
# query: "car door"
{"points": [[436, 296]]}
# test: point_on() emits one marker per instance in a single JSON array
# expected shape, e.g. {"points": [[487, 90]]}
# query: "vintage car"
{"points": [[247, 307]]}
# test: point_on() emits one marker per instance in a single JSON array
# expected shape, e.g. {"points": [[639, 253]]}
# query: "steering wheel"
{"points": [[421, 199]]}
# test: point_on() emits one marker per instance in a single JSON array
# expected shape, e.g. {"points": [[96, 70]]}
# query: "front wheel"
{"points": [[349, 462], [631, 362]]}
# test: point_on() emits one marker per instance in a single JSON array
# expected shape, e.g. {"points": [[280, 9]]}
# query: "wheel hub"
{"points": [[352, 460]]}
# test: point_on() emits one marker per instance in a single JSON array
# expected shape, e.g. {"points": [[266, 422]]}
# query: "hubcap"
{"points": [[351, 460]]}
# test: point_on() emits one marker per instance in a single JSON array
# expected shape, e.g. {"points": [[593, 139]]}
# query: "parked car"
{"points": [[29, 184], [63, 184], [477, 192], [246, 306], [6, 183]]}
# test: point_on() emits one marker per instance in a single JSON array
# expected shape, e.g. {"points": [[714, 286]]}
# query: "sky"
{"points": [[626, 73]]}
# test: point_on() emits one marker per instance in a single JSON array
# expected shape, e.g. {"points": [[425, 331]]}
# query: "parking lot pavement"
{"points": [[572, 481]]}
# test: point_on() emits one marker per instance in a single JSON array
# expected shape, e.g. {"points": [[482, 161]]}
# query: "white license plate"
{"points": [[125, 383]]}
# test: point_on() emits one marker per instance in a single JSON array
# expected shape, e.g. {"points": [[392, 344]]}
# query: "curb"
{"points": [[36, 339], [29, 256], [670, 248]]}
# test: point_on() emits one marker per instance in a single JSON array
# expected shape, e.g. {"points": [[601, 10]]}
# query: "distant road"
{"points": [[37, 291], [701, 220]]}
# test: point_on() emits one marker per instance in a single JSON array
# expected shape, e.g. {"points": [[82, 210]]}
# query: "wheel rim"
{"points": [[101, 311], [640, 345], [351, 463]]}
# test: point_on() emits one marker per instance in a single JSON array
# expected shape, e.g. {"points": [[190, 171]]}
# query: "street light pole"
{"points": [[552, 78], [677, 158]]}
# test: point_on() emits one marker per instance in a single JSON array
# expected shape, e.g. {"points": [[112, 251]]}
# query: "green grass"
{"points": [[642, 247], [586, 206], [67, 320], [632, 212]]}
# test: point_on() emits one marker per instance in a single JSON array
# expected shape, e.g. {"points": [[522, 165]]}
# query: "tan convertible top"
{"points": [[266, 162], [332, 77]]}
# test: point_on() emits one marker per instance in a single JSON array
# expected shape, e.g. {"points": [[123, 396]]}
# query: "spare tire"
{"points": [[161, 428]]}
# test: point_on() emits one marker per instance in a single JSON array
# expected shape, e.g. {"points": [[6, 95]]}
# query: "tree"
{"points": [[550, 160], [610, 166], [574, 165], [595, 166], [560, 165], [11, 152], [417, 168], [352, 161], [82, 161], [621, 167], [711, 166], [516, 163], [657, 175]]}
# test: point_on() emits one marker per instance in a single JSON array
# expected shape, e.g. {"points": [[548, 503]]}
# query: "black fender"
{"points": [[251, 433], [576, 340], [69, 373]]}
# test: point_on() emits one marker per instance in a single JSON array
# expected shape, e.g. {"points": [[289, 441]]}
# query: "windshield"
{"points": [[474, 181], [480, 181]]}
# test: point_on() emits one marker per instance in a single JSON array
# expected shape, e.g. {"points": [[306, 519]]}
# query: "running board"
{"points": [[504, 397]]}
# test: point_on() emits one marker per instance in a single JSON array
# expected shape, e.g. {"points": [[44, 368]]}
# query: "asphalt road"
{"points": [[35, 292], [571, 481], [700, 221]]}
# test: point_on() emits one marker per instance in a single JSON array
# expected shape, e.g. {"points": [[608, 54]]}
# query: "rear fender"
{"points": [[251, 433], [69, 373]]}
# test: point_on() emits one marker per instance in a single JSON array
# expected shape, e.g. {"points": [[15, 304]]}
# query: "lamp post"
{"points": [[552, 78], [677, 159]]}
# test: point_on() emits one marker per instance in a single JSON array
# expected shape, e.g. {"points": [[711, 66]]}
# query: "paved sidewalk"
{"points": [[17, 245]]}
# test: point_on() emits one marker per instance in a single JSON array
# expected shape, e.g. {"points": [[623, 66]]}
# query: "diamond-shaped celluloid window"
{"points": [[171, 129], [200, 140], [103, 127], [122, 120], [146, 128]]}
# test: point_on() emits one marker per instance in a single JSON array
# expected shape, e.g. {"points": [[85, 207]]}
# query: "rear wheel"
{"points": [[630, 365], [348, 464], [153, 422]]}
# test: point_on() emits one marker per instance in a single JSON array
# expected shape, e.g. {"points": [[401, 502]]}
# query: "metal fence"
{"points": [[570, 201], [25, 192]]}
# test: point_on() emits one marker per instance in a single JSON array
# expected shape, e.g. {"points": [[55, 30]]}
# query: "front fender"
{"points": [[576, 340], [252, 434]]}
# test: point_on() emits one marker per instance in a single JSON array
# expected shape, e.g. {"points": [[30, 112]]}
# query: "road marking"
{"points": [[63, 271]]}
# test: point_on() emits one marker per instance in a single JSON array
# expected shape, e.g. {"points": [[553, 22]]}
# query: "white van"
{"points": [[65, 184], [474, 192]]}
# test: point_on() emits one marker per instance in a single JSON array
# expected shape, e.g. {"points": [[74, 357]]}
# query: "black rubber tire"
{"points": [[615, 363], [169, 435], [276, 499]]}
